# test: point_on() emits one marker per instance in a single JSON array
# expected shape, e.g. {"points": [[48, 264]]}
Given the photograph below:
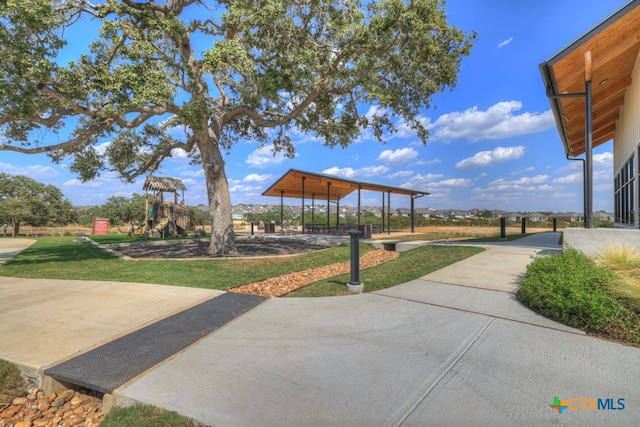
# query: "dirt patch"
{"points": [[198, 249]]}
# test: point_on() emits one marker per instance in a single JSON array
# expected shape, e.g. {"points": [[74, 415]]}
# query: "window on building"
{"points": [[625, 192]]}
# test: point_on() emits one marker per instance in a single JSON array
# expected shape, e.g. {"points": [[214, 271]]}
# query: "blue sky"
{"points": [[493, 144]]}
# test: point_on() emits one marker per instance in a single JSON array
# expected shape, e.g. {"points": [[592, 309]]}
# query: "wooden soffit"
{"points": [[613, 45], [326, 187]]}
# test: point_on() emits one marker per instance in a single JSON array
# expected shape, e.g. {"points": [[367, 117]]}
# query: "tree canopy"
{"points": [[201, 75], [24, 200]]}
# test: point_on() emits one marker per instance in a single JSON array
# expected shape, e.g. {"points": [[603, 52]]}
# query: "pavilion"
{"points": [[317, 186]]}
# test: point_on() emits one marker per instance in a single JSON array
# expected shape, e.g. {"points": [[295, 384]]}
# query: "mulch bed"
{"points": [[177, 249]]}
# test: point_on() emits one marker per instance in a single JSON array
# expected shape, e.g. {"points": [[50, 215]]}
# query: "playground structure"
{"points": [[166, 218]]}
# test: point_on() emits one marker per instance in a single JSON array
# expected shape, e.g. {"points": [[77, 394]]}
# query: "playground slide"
{"points": [[160, 226]]}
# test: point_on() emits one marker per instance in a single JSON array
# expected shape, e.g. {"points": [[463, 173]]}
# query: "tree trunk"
{"points": [[15, 228], [222, 237]]}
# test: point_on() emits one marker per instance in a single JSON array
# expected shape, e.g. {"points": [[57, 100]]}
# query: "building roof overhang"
{"points": [[614, 45], [327, 187]]}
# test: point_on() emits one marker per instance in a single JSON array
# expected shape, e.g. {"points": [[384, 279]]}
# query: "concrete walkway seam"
{"points": [[428, 385]]}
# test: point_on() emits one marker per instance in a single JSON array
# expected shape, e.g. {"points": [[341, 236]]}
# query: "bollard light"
{"points": [[355, 286]]}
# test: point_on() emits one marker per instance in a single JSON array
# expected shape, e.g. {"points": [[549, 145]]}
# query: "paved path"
{"points": [[429, 352], [10, 247]]}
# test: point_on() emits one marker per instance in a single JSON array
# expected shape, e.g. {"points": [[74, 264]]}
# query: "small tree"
{"points": [[24, 200], [258, 65], [121, 210]]}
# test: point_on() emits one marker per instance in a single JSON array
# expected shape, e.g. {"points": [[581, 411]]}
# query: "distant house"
{"points": [[536, 216], [423, 212], [569, 216], [603, 216], [237, 213], [513, 216], [500, 214]]}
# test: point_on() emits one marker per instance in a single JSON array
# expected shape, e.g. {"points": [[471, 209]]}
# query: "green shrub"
{"points": [[571, 289]]}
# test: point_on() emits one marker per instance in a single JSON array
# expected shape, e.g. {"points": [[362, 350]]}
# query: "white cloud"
{"points": [[497, 122], [344, 172], [400, 174], [179, 153], [505, 42], [421, 180], [264, 157], [356, 173], [242, 188], [404, 130], [372, 171], [35, 171], [455, 182], [101, 149], [515, 188], [569, 179], [488, 158], [254, 177], [432, 183], [397, 157], [77, 183], [603, 159]]}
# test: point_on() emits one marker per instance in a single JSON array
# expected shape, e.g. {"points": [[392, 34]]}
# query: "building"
{"points": [[593, 86]]}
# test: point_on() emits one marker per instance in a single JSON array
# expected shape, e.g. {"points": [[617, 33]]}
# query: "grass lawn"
{"points": [[409, 266], [145, 416], [62, 258]]}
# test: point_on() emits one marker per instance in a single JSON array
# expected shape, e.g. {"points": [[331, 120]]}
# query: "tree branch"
{"points": [[76, 108], [50, 121], [154, 160], [72, 143], [260, 120]]}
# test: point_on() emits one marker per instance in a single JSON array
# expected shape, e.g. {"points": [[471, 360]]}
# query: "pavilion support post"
{"points": [[303, 178], [281, 209], [588, 129], [383, 212], [313, 207], [338, 212], [328, 205], [389, 212], [413, 224]]}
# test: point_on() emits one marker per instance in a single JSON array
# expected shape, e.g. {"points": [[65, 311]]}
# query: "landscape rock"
{"points": [[66, 408], [281, 285]]}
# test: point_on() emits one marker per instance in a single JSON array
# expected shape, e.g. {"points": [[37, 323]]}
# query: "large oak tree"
{"points": [[222, 71]]}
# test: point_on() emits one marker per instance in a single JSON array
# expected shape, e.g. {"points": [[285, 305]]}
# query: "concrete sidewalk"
{"points": [[423, 353], [452, 348]]}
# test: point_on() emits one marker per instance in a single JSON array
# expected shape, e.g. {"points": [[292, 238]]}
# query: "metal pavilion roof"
{"points": [[614, 45], [327, 186]]}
